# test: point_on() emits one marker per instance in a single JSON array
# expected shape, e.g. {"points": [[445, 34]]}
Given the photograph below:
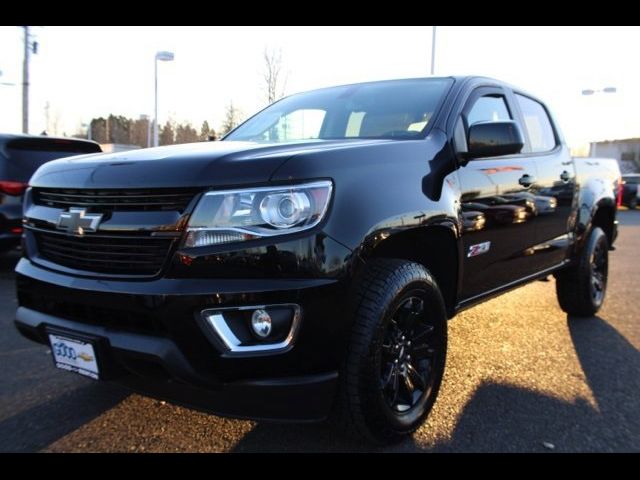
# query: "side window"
{"points": [[538, 125], [490, 108]]}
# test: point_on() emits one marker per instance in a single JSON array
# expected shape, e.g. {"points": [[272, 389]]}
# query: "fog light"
{"points": [[261, 323]]}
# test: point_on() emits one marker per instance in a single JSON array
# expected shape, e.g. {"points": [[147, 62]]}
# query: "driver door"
{"points": [[498, 250]]}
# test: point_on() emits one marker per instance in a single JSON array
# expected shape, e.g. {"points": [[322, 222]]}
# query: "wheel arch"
{"points": [[604, 217], [435, 247]]}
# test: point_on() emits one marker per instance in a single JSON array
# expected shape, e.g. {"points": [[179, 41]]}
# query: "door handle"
{"points": [[565, 177], [526, 180]]}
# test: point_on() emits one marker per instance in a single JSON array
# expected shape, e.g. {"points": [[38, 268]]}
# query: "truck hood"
{"points": [[189, 165]]}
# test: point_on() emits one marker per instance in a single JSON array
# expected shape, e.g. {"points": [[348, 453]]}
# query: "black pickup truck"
{"points": [[305, 266]]}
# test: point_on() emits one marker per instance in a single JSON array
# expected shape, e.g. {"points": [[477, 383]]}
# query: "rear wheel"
{"points": [[396, 358], [581, 288], [633, 203]]}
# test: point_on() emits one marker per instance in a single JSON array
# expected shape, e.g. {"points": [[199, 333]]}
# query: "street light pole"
{"points": [[155, 104], [590, 91], [163, 57], [433, 50], [25, 82]]}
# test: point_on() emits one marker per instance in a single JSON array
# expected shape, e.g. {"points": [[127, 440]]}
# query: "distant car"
{"points": [[542, 204], [473, 220], [20, 157], [520, 200], [631, 190], [498, 214]]}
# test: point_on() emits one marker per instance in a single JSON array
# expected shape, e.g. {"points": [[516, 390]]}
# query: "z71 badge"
{"points": [[478, 249]]}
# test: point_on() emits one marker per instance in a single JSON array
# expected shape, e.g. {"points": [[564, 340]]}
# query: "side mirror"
{"points": [[492, 139]]}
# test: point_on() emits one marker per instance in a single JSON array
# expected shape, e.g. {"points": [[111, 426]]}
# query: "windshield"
{"points": [[393, 109]]}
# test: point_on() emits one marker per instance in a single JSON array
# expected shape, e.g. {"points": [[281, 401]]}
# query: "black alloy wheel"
{"points": [[582, 286], [599, 269], [406, 373], [396, 356]]}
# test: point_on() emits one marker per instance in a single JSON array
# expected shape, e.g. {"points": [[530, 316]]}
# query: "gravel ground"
{"points": [[521, 377]]}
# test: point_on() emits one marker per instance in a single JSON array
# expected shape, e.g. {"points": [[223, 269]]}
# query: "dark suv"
{"points": [[20, 157], [308, 263]]}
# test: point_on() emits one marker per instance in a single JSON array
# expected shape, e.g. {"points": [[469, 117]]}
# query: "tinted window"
{"points": [[396, 109], [24, 156], [490, 108], [538, 125]]}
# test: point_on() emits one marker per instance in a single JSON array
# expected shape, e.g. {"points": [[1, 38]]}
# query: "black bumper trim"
{"points": [[300, 398], [154, 347]]}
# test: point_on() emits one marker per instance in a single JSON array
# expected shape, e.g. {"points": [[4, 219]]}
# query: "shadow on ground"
{"points": [[39, 426], [505, 418]]}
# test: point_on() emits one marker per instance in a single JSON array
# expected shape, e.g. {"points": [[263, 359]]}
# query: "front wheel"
{"points": [[396, 358], [581, 288], [633, 203]]}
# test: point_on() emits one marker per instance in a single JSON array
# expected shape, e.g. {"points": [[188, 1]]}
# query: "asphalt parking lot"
{"points": [[521, 377]]}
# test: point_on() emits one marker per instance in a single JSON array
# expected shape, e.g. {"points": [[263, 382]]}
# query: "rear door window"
{"points": [[538, 124]]}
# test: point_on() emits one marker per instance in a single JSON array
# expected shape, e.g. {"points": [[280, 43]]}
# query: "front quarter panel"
{"points": [[382, 189]]}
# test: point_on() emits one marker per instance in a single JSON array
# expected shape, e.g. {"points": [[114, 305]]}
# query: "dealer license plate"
{"points": [[74, 355]]}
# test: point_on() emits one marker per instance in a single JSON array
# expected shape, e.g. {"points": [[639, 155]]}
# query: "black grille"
{"points": [[126, 255], [175, 199]]}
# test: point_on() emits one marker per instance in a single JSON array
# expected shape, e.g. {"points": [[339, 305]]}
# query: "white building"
{"points": [[626, 151]]}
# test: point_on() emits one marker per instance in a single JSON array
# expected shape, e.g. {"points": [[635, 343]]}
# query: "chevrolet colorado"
{"points": [[305, 266]]}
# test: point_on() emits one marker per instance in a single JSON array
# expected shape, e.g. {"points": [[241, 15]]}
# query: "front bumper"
{"points": [[152, 343]]}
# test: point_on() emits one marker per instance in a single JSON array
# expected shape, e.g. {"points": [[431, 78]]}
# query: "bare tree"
{"points": [[274, 78], [232, 117]]}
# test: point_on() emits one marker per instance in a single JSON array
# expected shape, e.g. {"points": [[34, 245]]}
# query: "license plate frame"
{"points": [[75, 353]]}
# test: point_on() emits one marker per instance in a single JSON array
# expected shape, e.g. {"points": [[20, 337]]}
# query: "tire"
{"points": [[633, 203], [581, 288], [392, 298]]}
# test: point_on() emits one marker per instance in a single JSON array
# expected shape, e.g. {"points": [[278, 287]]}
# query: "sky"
{"points": [[86, 72]]}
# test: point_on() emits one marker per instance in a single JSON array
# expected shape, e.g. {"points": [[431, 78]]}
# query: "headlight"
{"points": [[237, 215]]}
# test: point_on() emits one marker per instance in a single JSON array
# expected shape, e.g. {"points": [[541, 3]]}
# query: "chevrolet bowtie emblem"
{"points": [[78, 221]]}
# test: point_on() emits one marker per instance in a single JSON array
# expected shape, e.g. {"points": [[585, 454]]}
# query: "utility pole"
{"points": [[25, 81], [433, 50]]}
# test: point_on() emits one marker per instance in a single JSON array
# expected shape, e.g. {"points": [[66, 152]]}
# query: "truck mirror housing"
{"points": [[493, 139]]}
